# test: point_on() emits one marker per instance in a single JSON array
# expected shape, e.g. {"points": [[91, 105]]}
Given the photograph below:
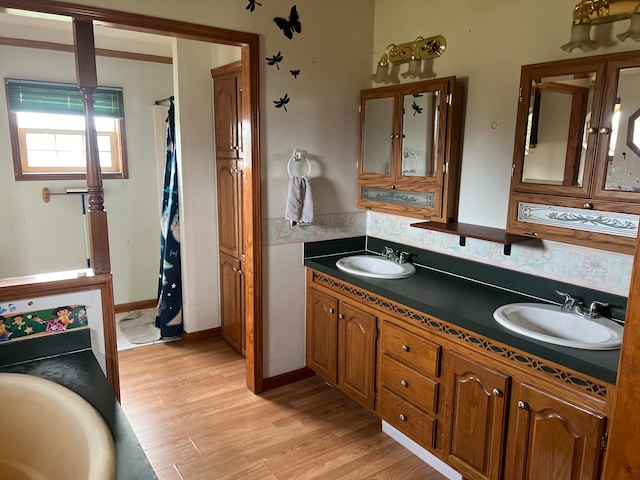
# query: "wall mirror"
{"points": [[576, 163], [410, 148]]}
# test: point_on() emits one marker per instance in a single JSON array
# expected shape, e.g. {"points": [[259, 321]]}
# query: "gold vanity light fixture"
{"points": [[594, 12], [411, 52]]}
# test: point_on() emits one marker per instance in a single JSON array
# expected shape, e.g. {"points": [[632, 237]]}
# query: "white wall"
{"points": [[197, 178], [487, 43], [43, 237]]}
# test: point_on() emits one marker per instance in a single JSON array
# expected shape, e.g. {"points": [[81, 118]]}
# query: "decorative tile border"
{"points": [[612, 223], [471, 339], [597, 269], [277, 231]]}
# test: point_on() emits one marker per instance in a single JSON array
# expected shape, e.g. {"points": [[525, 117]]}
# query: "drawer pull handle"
{"points": [[522, 405], [406, 348], [331, 310], [404, 383], [497, 392], [341, 316], [403, 418]]}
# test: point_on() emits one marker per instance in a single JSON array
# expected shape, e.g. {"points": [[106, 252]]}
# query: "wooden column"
{"points": [[87, 80]]}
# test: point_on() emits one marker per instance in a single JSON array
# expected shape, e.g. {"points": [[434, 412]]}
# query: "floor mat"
{"points": [[139, 327]]}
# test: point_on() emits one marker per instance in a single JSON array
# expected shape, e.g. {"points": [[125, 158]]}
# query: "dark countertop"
{"points": [[80, 372], [470, 305]]}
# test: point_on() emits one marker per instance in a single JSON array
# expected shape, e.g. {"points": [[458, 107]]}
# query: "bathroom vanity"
{"points": [[425, 354]]}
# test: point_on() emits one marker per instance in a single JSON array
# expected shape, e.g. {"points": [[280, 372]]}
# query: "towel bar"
{"points": [[296, 157]]}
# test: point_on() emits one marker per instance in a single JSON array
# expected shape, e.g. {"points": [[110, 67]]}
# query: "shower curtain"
{"points": [[169, 310]]}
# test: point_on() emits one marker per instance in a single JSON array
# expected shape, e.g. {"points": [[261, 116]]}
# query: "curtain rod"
{"points": [[159, 102]]}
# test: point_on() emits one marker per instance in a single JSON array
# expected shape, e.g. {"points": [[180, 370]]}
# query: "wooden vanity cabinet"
{"points": [[550, 437], [475, 417], [341, 345], [489, 411], [409, 368]]}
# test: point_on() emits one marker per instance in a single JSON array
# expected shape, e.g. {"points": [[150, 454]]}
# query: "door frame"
{"points": [[249, 44]]}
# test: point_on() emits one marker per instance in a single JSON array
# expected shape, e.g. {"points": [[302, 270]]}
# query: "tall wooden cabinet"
{"points": [[229, 163]]}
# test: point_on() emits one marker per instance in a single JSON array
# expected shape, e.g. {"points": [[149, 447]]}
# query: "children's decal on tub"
{"points": [[41, 322]]}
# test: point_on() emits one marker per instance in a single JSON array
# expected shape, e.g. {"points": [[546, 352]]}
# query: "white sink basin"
{"points": [[548, 323], [49, 432], [375, 267]]}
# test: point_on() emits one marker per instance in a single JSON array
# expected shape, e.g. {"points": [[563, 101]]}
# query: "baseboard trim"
{"points": [[201, 335], [141, 305], [423, 454], [287, 378]]}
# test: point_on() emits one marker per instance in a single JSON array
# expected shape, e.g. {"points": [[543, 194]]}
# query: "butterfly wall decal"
{"points": [[275, 60], [252, 5], [295, 73], [288, 26], [282, 103]]}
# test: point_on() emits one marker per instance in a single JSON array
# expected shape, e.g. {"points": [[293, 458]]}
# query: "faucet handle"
{"points": [[569, 301], [594, 308], [404, 257]]}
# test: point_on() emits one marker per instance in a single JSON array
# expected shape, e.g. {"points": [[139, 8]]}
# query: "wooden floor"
{"points": [[195, 419]]}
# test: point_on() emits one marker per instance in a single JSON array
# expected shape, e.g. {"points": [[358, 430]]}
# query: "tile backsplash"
{"points": [[597, 269]]}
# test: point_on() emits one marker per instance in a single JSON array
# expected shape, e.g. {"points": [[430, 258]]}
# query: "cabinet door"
{"points": [[322, 334], [226, 90], [231, 305], [229, 211], [357, 354], [550, 438], [476, 413]]}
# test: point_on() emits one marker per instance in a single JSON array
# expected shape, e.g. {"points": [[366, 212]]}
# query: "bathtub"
{"points": [[48, 432]]}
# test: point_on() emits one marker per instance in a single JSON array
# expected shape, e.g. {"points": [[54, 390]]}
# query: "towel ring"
{"points": [[296, 157]]}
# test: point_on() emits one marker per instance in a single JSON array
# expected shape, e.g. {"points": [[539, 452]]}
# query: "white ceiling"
{"points": [[57, 29]]}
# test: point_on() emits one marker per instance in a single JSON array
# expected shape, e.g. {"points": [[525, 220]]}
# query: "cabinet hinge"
{"points": [[520, 95], [375, 396], [449, 99], [513, 168], [446, 167], [359, 108], [603, 442]]}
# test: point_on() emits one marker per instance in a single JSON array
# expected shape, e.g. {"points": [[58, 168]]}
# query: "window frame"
{"points": [[17, 150]]}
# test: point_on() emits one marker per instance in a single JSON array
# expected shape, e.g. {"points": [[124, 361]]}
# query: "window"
{"points": [[47, 128]]}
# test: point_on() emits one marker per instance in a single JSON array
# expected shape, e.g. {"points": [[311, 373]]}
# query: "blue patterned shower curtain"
{"points": [[169, 313]]}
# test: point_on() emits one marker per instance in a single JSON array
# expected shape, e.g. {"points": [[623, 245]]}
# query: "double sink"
{"points": [[540, 321]]}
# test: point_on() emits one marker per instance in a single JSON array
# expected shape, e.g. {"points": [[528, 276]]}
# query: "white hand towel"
{"points": [[299, 207]]}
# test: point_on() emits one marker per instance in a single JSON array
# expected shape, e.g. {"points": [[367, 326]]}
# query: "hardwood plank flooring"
{"points": [[195, 419]]}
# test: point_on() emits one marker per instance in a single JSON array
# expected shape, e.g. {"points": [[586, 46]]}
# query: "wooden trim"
{"points": [[202, 335], [621, 459], [100, 52], [252, 213], [140, 305], [226, 69], [286, 378], [70, 282], [250, 43]]}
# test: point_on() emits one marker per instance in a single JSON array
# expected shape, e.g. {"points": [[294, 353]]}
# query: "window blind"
{"points": [[65, 98]]}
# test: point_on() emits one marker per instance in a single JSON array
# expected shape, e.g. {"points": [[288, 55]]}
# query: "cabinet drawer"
{"points": [[408, 419], [409, 384], [410, 349]]}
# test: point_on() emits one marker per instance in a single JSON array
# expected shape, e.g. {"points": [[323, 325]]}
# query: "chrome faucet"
{"points": [[395, 255], [576, 305]]}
